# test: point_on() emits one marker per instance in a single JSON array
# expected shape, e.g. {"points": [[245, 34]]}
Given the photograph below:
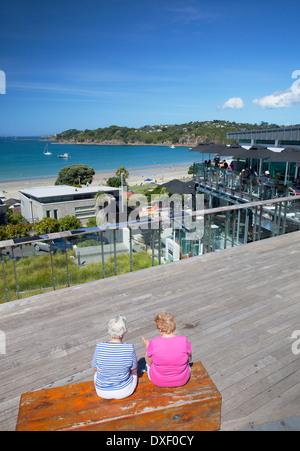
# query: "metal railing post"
{"points": [[102, 256], [53, 276], [233, 228], [284, 217], [15, 270], [246, 227], [67, 263], [153, 246], [275, 220], [115, 251], [255, 225], [159, 242], [4, 278], [259, 222]]}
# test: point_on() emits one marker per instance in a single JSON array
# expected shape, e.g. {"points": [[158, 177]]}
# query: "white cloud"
{"points": [[235, 103], [188, 12], [282, 99]]}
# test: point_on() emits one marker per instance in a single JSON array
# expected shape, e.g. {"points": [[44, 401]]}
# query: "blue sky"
{"points": [[94, 63]]}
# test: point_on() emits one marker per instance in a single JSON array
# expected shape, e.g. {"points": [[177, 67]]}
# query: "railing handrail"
{"points": [[136, 224], [247, 204]]}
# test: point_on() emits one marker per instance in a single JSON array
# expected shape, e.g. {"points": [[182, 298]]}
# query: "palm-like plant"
{"points": [[123, 171]]}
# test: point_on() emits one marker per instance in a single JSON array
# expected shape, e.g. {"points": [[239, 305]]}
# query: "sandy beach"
{"points": [[161, 175]]}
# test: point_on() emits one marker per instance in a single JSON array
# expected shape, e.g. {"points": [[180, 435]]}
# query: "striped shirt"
{"points": [[114, 362]]}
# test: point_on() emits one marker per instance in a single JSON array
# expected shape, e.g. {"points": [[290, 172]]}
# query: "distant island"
{"points": [[189, 134]]}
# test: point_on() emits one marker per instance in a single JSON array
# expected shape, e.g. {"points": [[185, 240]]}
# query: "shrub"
{"points": [[46, 225], [69, 223], [88, 243]]}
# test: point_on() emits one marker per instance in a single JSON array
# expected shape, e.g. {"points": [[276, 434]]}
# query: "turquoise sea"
{"points": [[23, 158]]}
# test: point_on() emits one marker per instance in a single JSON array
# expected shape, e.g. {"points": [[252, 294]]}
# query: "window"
{"points": [[48, 213], [86, 207], [88, 214], [55, 214]]}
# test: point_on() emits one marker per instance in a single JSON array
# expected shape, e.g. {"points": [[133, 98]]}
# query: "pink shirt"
{"points": [[169, 366]]}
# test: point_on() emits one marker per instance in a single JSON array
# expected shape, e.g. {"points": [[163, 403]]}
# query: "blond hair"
{"points": [[165, 322]]}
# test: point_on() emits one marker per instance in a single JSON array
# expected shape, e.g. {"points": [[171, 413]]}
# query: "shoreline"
{"points": [[122, 143], [136, 177]]}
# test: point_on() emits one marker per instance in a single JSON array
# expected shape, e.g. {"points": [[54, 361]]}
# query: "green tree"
{"points": [[124, 171], [114, 182], [3, 233], [75, 174], [19, 230], [92, 222], [46, 225], [69, 223]]}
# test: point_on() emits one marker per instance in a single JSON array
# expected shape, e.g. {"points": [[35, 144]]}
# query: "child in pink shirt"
{"points": [[168, 356]]}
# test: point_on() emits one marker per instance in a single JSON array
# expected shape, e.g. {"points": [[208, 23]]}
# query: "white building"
{"points": [[60, 201]]}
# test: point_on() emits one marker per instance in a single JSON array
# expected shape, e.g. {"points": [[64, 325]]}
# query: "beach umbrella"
{"points": [[213, 148], [255, 152], [290, 150], [285, 157], [148, 180], [176, 186], [235, 146]]}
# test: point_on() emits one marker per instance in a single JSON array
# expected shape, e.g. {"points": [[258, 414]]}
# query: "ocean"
{"points": [[22, 159]]}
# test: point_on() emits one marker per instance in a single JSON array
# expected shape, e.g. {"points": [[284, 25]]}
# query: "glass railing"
{"points": [[34, 265], [239, 183]]}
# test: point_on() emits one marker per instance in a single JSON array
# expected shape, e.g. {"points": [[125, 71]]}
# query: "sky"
{"points": [[89, 64]]}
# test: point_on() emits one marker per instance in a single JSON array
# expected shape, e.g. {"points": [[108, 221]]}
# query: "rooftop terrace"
{"points": [[238, 307]]}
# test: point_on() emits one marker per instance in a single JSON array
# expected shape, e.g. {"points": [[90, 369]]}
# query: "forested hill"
{"points": [[189, 134]]}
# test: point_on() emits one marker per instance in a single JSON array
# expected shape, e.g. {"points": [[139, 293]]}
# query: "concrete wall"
{"points": [[31, 208]]}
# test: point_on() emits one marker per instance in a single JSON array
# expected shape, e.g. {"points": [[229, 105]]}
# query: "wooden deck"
{"points": [[238, 307]]}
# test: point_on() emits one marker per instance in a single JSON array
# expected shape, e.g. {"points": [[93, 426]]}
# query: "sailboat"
{"points": [[65, 155], [46, 151]]}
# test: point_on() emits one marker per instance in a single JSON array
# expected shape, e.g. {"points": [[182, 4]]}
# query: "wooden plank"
{"points": [[238, 308], [195, 406]]}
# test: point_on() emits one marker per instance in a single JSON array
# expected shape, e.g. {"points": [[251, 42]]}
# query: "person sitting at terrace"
{"points": [[115, 363], [168, 355], [232, 165], [295, 187]]}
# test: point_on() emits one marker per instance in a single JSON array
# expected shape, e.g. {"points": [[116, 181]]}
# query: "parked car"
{"points": [[53, 245]]}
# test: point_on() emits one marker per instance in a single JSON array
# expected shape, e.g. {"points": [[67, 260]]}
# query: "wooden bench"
{"points": [[195, 406]]}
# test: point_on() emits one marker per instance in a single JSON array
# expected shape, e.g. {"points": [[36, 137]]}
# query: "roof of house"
{"points": [[11, 201], [63, 190]]}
